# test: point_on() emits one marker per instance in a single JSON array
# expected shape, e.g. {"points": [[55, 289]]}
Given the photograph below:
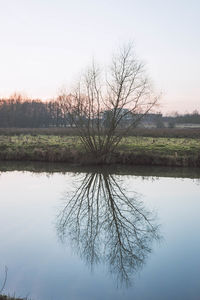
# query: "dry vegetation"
{"points": [[5, 297], [136, 150], [146, 132]]}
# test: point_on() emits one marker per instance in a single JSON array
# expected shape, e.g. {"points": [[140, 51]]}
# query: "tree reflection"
{"points": [[106, 225]]}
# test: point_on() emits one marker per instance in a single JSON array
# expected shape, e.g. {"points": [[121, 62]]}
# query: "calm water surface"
{"points": [[96, 235]]}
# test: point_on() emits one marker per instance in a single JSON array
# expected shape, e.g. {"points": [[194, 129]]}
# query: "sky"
{"points": [[46, 44]]}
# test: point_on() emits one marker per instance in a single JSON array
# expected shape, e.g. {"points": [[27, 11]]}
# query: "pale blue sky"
{"points": [[44, 44]]}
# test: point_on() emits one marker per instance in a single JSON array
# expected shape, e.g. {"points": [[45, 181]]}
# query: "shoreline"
{"points": [[6, 297], [115, 169], [119, 158]]}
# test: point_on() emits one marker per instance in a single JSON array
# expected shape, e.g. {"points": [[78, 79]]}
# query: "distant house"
{"points": [[126, 118], [151, 121], [123, 116]]}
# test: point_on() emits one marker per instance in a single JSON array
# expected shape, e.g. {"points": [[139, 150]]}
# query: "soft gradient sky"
{"points": [[44, 44]]}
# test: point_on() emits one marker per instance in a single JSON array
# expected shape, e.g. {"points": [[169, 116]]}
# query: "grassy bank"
{"points": [[132, 150], [4, 297]]}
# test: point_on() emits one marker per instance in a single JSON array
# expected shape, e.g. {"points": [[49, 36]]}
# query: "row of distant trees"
{"points": [[19, 111], [176, 118], [193, 118]]}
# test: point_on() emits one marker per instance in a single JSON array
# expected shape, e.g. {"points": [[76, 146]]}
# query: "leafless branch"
{"points": [[5, 279]]}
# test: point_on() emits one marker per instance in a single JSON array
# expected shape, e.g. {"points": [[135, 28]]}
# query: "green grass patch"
{"points": [[161, 145], [55, 148]]}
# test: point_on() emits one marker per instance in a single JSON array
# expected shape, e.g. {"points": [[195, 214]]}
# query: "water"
{"points": [[100, 234]]}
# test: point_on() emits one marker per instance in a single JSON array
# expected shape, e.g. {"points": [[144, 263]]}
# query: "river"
{"points": [[99, 233]]}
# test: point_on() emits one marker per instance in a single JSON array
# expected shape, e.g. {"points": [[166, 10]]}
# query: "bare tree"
{"points": [[99, 106]]}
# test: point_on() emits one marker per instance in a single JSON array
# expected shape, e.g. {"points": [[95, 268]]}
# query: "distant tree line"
{"points": [[21, 112], [188, 118]]}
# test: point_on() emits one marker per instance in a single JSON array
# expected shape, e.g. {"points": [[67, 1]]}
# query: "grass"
{"points": [[145, 132], [167, 146], [131, 150], [40, 147]]}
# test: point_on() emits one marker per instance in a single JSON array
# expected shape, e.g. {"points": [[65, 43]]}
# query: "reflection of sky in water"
{"points": [[42, 268]]}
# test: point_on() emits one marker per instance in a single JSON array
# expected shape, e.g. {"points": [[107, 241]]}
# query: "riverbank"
{"points": [[5, 297], [116, 169], [151, 151]]}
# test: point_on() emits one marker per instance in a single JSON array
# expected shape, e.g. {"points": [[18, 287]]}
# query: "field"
{"points": [[145, 132], [138, 150], [167, 146]]}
